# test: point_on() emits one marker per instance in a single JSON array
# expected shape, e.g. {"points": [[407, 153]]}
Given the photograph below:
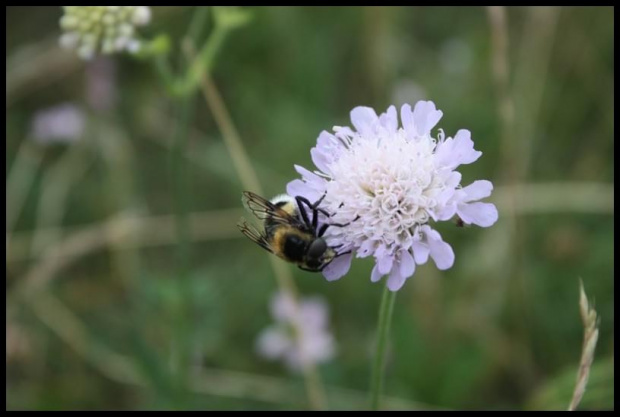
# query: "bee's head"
{"points": [[319, 254]]}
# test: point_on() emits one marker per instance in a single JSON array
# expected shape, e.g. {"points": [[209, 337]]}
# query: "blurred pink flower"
{"points": [[101, 84], [63, 123], [314, 343]]}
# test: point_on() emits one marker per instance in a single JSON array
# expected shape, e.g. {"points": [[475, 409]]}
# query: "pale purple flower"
{"points": [[314, 343], [63, 123], [389, 185]]}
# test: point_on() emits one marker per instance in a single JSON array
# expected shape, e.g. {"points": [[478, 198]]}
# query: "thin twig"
{"points": [[531, 199], [77, 244], [144, 231]]}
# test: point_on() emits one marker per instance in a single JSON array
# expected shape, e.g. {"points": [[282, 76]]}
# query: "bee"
{"points": [[290, 229]]}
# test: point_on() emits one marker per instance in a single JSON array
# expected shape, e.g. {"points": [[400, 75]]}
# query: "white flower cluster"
{"points": [[105, 29]]}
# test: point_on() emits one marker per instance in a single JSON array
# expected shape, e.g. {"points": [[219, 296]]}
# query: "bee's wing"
{"points": [[253, 234], [263, 209]]}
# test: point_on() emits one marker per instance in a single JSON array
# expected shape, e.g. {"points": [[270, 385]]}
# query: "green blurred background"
{"points": [[98, 316]]}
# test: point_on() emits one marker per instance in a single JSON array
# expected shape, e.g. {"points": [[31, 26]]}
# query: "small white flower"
{"points": [[314, 343], [105, 29], [387, 184]]}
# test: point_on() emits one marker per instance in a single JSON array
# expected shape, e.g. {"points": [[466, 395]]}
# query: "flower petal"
{"points": [[306, 174], [406, 117], [464, 147], [299, 187], [477, 190], [364, 119], [396, 279], [366, 248], [321, 159], [443, 153], [407, 264], [313, 312], [282, 307], [389, 120], [272, 343], [454, 152], [420, 252], [385, 263], [482, 214], [338, 267], [312, 187], [454, 179], [375, 275], [425, 116], [440, 251], [326, 140], [446, 212], [343, 133]]}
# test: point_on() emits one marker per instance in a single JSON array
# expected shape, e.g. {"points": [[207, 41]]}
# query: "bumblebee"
{"points": [[290, 229]]}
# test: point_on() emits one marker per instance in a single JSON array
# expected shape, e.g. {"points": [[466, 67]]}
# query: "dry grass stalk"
{"points": [[590, 337]]}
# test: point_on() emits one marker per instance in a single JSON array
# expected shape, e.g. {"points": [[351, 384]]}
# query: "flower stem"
{"points": [[182, 345], [186, 84], [383, 329]]}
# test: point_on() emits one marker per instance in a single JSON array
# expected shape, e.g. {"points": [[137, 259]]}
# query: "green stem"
{"points": [[187, 83], [198, 23], [165, 73], [203, 61], [182, 308], [181, 185], [385, 317]]}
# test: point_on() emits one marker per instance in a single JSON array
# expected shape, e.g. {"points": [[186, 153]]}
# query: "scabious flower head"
{"points": [[107, 29], [389, 184], [313, 342]]}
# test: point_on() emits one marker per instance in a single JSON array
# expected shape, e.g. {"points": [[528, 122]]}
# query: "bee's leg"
{"points": [[325, 212], [315, 206], [315, 217], [322, 230], [308, 269], [343, 253], [346, 224], [315, 210], [318, 202], [302, 210], [324, 227], [300, 199]]}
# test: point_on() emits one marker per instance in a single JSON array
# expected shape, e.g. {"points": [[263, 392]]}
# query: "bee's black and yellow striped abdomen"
{"points": [[290, 244]]}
